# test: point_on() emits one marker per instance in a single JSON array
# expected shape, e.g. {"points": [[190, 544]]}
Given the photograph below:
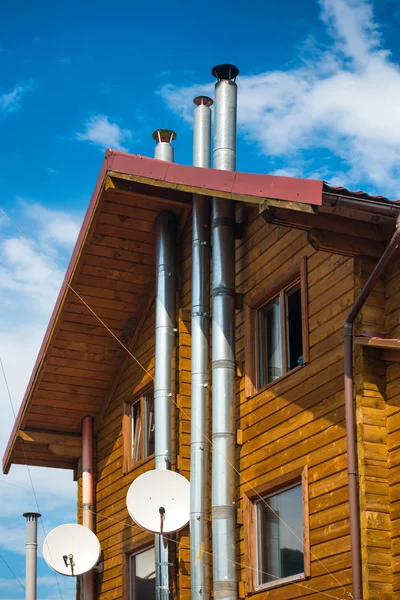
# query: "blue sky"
{"points": [[319, 97]]}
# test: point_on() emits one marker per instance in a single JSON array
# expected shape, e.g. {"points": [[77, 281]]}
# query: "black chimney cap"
{"points": [[227, 72]]}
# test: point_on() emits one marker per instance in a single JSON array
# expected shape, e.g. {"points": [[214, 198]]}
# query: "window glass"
{"points": [[280, 335], [280, 553], [149, 426], [270, 342], [294, 328], [142, 428], [136, 431], [142, 575]]}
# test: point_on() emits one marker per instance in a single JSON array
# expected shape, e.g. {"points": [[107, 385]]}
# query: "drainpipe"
{"points": [[87, 496], [31, 555], [199, 446], [223, 343], [165, 343], [355, 541]]}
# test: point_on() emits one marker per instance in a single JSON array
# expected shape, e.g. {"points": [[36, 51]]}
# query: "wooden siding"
{"points": [[117, 534], [392, 294], [372, 438], [299, 419], [295, 422]]}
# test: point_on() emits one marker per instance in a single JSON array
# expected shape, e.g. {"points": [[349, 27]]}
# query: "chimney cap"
{"points": [[202, 100], [32, 516], [164, 135], [227, 72]]}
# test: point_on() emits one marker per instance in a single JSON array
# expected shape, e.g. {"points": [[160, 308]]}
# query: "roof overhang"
{"points": [[112, 271]]}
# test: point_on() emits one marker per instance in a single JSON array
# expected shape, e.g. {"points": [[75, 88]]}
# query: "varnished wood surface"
{"points": [[297, 422], [115, 278]]}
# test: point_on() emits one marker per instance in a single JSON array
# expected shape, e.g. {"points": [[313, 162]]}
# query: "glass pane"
{"points": [[149, 420], [142, 575], [294, 329], [270, 342], [280, 553], [136, 428]]}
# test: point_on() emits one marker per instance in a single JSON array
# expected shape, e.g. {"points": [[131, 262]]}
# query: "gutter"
{"points": [[389, 209], [355, 541]]}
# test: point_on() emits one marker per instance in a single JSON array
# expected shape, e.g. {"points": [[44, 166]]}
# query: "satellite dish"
{"points": [[159, 501], [71, 549]]}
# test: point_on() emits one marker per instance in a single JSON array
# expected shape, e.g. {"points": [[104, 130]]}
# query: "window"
{"points": [[142, 572], [277, 535], [277, 321], [138, 429]]}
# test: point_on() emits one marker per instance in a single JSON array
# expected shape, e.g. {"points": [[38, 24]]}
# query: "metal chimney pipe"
{"points": [[87, 495], [199, 446], [164, 149], [165, 343], [223, 343], [31, 555]]}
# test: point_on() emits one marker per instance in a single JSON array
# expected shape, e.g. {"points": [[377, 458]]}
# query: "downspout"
{"points": [[31, 555], [199, 446], [355, 541], [87, 496], [223, 343], [164, 351]]}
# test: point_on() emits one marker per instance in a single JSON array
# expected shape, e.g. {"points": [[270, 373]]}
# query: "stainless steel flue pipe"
{"points": [[199, 436], [164, 150], [31, 555], [223, 343], [164, 351]]}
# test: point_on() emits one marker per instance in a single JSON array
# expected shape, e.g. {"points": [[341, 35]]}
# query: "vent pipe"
{"points": [[164, 150], [31, 555], [223, 343], [87, 495], [165, 343], [199, 446]]}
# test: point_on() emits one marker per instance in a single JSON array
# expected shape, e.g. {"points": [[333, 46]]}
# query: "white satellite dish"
{"points": [[159, 501], [71, 549]]}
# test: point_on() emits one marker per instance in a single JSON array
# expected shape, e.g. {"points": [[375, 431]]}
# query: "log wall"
{"points": [[297, 421]]}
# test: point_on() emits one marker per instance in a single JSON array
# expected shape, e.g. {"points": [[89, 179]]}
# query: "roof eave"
{"points": [[299, 194]]}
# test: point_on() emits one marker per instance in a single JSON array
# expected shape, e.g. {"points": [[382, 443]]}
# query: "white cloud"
{"points": [[30, 267], [342, 100], [26, 272], [54, 225], [10, 101], [31, 272], [100, 131]]}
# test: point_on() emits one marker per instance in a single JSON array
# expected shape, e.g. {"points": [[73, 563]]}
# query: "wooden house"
{"points": [[303, 253]]}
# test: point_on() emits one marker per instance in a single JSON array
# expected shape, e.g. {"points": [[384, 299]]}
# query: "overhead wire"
{"points": [[11, 571], [27, 467], [14, 485], [243, 479]]}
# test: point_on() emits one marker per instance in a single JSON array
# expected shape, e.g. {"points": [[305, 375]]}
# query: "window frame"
{"points": [[279, 287], [142, 545], [128, 431], [250, 501]]}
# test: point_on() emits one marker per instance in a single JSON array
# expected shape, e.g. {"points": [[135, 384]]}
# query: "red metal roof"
{"points": [[342, 191]]}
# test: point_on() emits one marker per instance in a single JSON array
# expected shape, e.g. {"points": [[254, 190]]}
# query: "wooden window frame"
{"points": [[141, 546], [298, 476], [128, 463], [251, 308]]}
